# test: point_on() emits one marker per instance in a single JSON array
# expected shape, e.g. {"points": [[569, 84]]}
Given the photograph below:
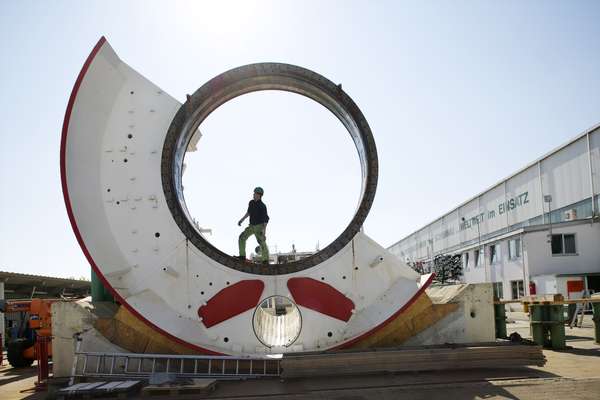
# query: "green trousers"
{"points": [[259, 232]]}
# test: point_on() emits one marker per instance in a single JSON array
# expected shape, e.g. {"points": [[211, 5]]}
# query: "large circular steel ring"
{"points": [[252, 78]]}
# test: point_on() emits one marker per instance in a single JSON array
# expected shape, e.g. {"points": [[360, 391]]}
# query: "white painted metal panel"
{"points": [[468, 228], [595, 154], [113, 134], [452, 229], [523, 190], [437, 229], [492, 205], [565, 174]]}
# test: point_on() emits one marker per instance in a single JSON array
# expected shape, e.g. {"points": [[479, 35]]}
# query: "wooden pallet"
{"points": [[198, 386], [411, 359], [98, 389]]}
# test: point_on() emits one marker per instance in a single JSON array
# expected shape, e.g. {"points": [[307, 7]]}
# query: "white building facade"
{"points": [[536, 232]]}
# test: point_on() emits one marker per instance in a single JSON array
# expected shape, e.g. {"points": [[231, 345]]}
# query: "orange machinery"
{"points": [[36, 323]]}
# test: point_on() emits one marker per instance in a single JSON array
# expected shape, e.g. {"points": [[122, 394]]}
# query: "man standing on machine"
{"points": [[257, 211]]}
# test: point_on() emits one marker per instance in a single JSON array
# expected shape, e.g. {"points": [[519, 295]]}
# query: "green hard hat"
{"points": [[259, 190]]}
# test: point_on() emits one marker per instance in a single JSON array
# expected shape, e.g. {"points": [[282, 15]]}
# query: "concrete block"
{"points": [[472, 322], [69, 318]]}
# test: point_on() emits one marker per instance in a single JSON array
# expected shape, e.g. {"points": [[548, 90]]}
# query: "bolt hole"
{"points": [[329, 334], [189, 306], [356, 268], [202, 293], [209, 283], [157, 234], [226, 339], [227, 283], [164, 268], [108, 190], [131, 92], [118, 202], [197, 276], [472, 314], [129, 136], [322, 278], [344, 277], [125, 160]]}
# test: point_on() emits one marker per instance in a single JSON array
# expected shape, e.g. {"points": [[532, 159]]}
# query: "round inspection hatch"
{"points": [[277, 322]]}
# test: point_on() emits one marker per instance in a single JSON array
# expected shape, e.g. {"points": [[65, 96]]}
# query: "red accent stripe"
{"points": [[321, 297], [231, 301], [390, 319], [63, 177]]}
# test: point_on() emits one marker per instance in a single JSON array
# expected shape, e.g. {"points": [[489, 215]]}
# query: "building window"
{"points": [[498, 292], [569, 244], [514, 249], [478, 258], [564, 244], [494, 253], [465, 261], [517, 289]]}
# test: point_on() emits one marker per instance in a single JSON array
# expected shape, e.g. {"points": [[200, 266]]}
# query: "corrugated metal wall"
{"points": [[568, 175]]}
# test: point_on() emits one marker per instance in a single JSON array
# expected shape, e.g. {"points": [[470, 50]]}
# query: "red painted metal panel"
{"points": [[231, 301], [574, 286], [320, 297]]}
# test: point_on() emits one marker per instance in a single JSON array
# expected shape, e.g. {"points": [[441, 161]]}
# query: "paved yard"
{"points": [[570, 374]]}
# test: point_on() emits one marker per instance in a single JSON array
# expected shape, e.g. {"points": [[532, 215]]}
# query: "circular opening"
{"points": [[277, 322], [311, 192], [253, 78]]}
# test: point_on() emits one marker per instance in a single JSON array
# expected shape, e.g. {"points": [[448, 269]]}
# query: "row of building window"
{"points": [[562, 244], [494, 252]]}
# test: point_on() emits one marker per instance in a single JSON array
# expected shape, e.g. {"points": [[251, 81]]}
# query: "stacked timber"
{"points": [[421, 358]]}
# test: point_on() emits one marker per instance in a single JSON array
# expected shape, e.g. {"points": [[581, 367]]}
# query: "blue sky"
{"points": [[458, 95]]}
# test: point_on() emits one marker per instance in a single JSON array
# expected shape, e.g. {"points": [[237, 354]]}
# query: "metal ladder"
{"points": [[134, 365]]}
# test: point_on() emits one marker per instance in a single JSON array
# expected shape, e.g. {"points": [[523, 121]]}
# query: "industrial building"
{"points": [[535, 232]]}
